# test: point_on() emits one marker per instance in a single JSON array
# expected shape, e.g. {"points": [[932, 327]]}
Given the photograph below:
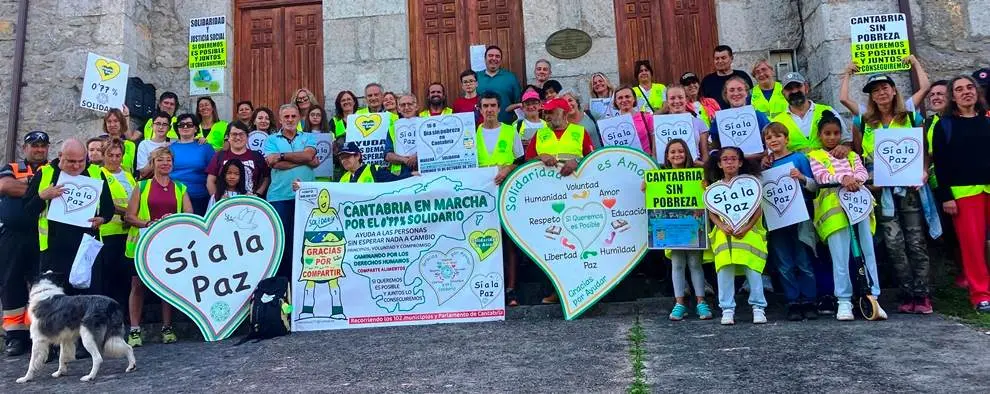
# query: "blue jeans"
{"points": [[286, 210], [838, 245], [794, 263], [727, 287]]}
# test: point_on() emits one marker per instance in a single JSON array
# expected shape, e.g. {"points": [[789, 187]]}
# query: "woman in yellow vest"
{"points": [[768, 95], [114, 233], [832, 223], [737, 252], [115, 126], [152, 200], [649, 95], [911, 102], [210, 125]]}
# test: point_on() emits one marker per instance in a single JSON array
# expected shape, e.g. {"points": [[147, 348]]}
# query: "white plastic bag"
{"points": [[81, 274]]}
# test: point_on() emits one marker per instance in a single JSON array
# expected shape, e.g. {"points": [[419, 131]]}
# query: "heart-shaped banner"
{"points": [[670, 127], [78, 197], [576, 228], [619, 131], [107, 69], [323, 150], [738, 127], [897, 155], [487, 287], [736, 201], [405, 136], [781, 193], [446, 273], [368, 124], [783, 202], [208, 267], [484, 242], [858, 205]]}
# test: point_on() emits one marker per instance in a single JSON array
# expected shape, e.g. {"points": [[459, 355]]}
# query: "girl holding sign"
{"points": [[677, 103], [832, 221], [742, 250]]}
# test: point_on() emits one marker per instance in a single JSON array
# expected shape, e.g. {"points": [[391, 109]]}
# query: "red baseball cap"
{"points": [[556, 103]]}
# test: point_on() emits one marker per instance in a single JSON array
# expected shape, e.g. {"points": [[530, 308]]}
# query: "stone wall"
{"points": [[754, 28], [8, 17]]}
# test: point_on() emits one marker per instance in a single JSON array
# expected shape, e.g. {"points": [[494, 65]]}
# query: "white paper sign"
{"points": [[738, 127], [783, 201], [620, 131], [104, 83], [77, 204], [256, 141], [446, 142], [858, 204], [324, 153], [897, 159], [735, 202], [369, 132], [601, 108], [81, 273], [405, 136], [669, 127], [477, 58]]}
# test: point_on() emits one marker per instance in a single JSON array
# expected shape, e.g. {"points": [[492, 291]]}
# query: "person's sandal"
{"points": [[510, 298]]}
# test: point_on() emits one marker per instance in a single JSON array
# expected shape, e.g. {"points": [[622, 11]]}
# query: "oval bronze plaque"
{"points": [[568, 43]]}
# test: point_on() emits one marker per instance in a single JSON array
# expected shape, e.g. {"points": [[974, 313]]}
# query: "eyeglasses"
{"points": [[186, 125]]}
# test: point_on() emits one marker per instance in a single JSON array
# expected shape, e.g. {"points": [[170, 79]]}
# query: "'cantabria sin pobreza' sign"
{"points": [[208, 267], [586, 231]]}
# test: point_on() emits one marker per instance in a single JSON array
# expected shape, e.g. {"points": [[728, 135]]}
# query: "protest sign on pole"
{"points": [[676, 208], [783, 200], [208, 267], [369, 132], [207, 55], [879, 43], [446, 142], [738, 127], [78, 202], [734, 202], [585, 230], [422, 250], [669, 127], [324, 154], [620, 131], [104, 83], [897, 157]]}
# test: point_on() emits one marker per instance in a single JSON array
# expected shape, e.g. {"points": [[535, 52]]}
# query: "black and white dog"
{"points": [[61, 320]]}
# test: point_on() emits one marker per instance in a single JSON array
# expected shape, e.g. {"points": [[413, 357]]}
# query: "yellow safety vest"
{"points": [[502, 155], [655, 101], [149, 131], [829, 216], [931, 132], [869, 135], [426, 112], [570, 145], [116, 226], [750, 251], [704, 116], [798, 142], [47, 173], [367, 175], [395, 168], [217, 134], [339, 128], [144, 213], [775, 106]]}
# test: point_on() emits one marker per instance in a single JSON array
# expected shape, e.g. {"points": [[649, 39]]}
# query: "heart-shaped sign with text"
{"points": [[256, 140], [108, 69], [446, 273], [484, 242], [78, 197], [323, 150], [440, 134], [621, 134], [405, 135], [897, 155], [586, 231], [670, 127], [781, 193], [208, 268], [858, 204], [368, 124], [735, 201], [487, 287]]}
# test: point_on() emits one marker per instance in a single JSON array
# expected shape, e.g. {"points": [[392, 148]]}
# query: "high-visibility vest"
{"points": [[775, 106], [750, 251], [703, 114], [797, 141], [426, 112], [395, 168], [931, 132], [339, 128], [47, 175], [869, 133], [570, 145], [218, 134], [829, 216], [149, 131], [367, 175], [502, 155], [655, 101], [144, 213], [116, 226], [21, 173]]}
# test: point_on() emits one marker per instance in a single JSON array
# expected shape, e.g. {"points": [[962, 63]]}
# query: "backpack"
{"points": [[140, 98], [270, 309]]}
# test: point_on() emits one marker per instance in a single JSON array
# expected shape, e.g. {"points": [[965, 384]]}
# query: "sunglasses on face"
{"points": [[185, 125]]}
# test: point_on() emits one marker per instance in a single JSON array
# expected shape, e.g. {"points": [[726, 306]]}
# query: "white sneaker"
{"points": [[759, 316], [728, 317], [845, 312]]}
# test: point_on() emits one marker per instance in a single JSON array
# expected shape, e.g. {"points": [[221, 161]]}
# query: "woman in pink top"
{"points": [[624, 100]]}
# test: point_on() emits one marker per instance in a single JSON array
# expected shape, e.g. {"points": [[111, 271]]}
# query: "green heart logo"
{"points": [[484, 242], [208, 267], [586, 250]]}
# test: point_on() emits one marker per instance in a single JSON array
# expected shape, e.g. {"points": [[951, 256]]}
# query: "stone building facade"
{"points": [[370, 41]]}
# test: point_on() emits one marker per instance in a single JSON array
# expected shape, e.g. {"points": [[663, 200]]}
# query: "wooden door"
{"points": [[279, 48], [440, 32], [676, 36]]}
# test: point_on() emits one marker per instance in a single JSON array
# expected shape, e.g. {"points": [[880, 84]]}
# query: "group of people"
{"points": [[185, 162]]}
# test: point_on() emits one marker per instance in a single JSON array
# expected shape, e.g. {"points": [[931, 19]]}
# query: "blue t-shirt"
{"points": [[281, 186], [761, 120], [189, 163]]}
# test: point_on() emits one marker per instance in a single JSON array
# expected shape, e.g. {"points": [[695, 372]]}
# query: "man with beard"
{"points": [[436, 101], [802, 116], [563, 142]]}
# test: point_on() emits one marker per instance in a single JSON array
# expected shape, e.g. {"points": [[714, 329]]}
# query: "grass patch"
{"points": [[953, 301], [637, 355]]}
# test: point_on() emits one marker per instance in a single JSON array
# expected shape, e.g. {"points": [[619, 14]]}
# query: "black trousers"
{"points": [[18, 267]]}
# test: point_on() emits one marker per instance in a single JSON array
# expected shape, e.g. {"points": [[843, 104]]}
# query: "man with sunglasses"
{"points": [[19, 240]]}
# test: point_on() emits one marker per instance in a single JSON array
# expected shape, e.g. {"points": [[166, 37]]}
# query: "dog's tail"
{"points": [[114, 344]]}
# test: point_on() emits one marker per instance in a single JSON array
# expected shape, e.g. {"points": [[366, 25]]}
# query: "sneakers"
{"points": [[983, 307], [759, 316], [794, 312], [704, 312], [678, 313], [845, 312], [923, 305], [809, 311], [168, 335], [826, 305], [729, 317], [551, 299], [907, 306], [134, 338]]}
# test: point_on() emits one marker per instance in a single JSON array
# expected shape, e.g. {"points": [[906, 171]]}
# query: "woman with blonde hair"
{"points": [[600, 90], [303, 99], [767, 96]]}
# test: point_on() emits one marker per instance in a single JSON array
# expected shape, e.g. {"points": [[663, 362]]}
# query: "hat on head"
{"points": [[689, 78], [556, 103], [982, 76], [875, 79], [794, 77], [350, 148], [530, 95], [37, 137]]}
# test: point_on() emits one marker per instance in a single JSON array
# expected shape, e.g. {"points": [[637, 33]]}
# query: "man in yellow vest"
{"points": [[399, 164], [58, 241], [563, 142], [19, 242], [373, 95], [802, 116], [436, 101], [498, 144]]}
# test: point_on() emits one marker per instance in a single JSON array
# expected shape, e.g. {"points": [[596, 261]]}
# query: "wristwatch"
{"points": [[281, 156]]}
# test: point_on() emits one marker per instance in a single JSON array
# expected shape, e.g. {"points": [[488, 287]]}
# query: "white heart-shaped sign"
{"points": [[858, 205], [446, 273], [208, 267], [897, 155], [78, 197], [323, 150], [440, 135], [670, 127], [780, 193], [738, 128], [405, 135], [621, 134], [487, 287], [586, 231], [736, 201]]}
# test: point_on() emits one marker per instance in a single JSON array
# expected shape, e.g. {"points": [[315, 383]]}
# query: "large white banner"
{"points": [[427, 249]]}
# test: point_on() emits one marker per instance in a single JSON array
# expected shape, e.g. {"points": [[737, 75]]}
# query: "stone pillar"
{"points": [[184, 11], [753, 29]]}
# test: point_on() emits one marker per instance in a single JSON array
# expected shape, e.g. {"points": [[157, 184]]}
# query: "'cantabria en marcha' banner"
{"points": [[587, 230], [423, 250]]}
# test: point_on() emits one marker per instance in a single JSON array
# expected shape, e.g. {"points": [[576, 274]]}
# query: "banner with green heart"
{"points": [[587, 230], [208, 267]]}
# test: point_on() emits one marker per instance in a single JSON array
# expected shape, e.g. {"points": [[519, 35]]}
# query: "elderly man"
{"points": [[499, 80], [373, 95], [436, 101], [19, 241], [563, 142], [401, 164], [541, 73]]}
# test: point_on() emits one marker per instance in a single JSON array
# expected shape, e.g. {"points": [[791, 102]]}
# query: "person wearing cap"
{"points": [[911, 103], [563, 142], [499, 80], [357, 171], [768, 95], [531, 121], [713, 84], [624, 101], [704, 107], [802, 116], [19, 241], [649, 95], [400, 164], [436, 101]]}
